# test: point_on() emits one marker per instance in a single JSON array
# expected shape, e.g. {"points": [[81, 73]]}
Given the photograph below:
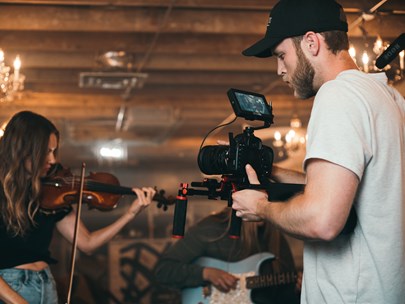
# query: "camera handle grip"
{"points": [[236, 221], [180, 213], [235, 226]]}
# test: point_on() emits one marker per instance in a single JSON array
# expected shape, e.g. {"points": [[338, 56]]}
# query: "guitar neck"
{"points": [[269, 280]]}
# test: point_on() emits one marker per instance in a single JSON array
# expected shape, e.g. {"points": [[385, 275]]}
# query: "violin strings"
{"points": [[101, 187], [97, 186]]}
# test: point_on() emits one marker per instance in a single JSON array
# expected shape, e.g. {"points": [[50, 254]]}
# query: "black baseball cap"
{"points": [[290, 18]]}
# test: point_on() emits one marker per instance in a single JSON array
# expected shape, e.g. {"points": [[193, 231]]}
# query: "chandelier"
{"points": [[290, 141], [366, 53], [286, 142], [11, 80]]}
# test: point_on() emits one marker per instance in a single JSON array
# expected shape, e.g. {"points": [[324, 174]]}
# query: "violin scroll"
{"points": [[163, 202]]}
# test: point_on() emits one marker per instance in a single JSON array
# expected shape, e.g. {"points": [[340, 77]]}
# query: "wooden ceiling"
{"points": [[190, 52]]}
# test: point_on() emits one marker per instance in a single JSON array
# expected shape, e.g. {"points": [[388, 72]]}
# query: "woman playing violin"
{"points": [[28, 150]]}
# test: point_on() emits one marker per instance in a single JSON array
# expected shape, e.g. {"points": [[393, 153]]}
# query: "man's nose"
{"points": [[280, 68]]}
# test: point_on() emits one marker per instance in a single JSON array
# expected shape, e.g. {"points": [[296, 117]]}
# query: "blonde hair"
{"points": [[250, 241]]}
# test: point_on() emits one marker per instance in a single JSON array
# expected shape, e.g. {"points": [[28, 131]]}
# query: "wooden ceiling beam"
{"points": [[87, 62], [229, 4], [157, 77], [205, 100], [140, 19], [137, 43], [349, 5], [143, 19]]}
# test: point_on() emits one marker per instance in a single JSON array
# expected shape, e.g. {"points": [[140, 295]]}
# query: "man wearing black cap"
{"points": [[355, 159]]}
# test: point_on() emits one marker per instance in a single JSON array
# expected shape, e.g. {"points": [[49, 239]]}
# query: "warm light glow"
{"points": [[11, 79], [379, 42], [2, 128], [289, 136], [111, 152], [17, 63], [365, 59], [277, 140], [277, 135], [291, 141], [401, 59], [295, 122], [352, 52], [378, 46], [17, 66]]}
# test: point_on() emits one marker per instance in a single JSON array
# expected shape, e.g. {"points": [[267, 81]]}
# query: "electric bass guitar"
{"points": [[250, 279]]}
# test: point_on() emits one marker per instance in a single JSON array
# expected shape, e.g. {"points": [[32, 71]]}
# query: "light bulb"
{"points": [[352, 52], [365, 59], [17, 66]]}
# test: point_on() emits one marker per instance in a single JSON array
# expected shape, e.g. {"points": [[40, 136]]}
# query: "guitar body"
{"points": [[250, 266]]}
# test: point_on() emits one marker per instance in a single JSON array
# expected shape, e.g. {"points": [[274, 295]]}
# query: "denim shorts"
{"points": [[37, 287]]}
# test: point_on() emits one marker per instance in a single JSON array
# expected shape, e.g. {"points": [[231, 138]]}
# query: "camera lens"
{"points": [[213, 159]]}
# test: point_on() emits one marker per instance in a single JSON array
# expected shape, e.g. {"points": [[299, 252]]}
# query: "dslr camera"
{"points": [[244, 148], [230, 161]]}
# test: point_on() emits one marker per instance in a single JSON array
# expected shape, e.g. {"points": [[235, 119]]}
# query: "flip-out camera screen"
{"points": [[251, 106]]}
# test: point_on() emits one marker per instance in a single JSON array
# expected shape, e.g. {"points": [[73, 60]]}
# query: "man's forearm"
{"points": [[283, 175]]}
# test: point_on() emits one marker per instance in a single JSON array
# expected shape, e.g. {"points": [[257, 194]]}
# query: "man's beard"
{"points": [[303, 78]]}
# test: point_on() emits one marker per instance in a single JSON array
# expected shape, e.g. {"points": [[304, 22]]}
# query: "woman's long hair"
{"points": [[25, 140], [249, 238]]}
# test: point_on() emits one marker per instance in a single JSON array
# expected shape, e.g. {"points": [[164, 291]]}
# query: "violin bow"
{"points": [[74, 243]]}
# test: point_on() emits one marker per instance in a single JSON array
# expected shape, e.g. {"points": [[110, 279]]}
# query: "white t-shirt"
{"points": [[358, 122]]}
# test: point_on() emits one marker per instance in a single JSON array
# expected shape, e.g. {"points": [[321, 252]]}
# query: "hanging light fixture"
{"points": [[366, 58], [11, 80], [286, 141], [295, 139]]}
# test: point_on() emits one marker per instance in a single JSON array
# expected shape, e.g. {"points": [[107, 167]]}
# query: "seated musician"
{"points": [[177, 267]]}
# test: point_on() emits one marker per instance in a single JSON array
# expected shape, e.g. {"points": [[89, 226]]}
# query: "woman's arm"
{"points": [[88, 241], [8, 295]]}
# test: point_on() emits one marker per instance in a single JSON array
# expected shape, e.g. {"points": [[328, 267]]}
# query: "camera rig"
{"points": [[230, 161], [223, 189]]}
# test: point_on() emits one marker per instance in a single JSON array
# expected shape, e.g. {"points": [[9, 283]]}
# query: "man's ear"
{"points": [[311, 43]]}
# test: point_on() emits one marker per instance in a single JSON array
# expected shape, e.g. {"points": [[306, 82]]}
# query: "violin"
{"points": [[101, 190]]}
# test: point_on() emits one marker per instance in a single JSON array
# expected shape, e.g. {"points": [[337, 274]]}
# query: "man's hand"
{"points": [[245, 201], [222, 280]]}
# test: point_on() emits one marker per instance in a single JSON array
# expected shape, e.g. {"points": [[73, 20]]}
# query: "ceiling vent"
{"points": [[126, 82], [114, 73], [112, 80]]}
